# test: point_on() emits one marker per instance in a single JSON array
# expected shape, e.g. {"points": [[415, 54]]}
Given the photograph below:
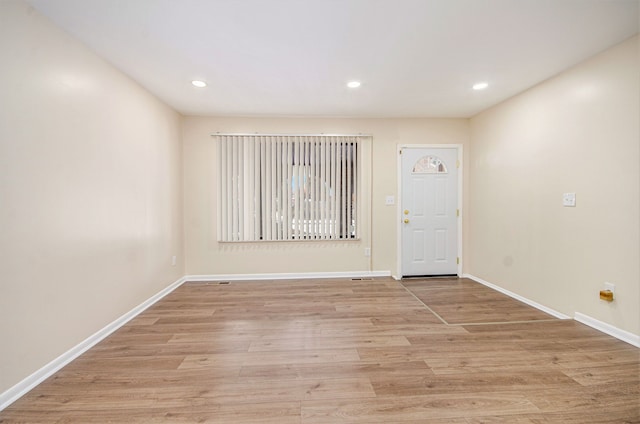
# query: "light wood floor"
{"points": [[342, 351]]}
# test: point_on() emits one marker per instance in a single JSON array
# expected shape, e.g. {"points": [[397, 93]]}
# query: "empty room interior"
{"points": [[283, 211]]}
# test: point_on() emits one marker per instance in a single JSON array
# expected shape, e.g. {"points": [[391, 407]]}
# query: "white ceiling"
{"points": [[415, 58]]}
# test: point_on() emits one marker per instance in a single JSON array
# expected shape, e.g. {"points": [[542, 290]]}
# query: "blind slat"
{"points": [[287, 182], [234, 191], [263, 177], [313, 200], [277, 200], [222, 189], [266, 203], [349, 191]]}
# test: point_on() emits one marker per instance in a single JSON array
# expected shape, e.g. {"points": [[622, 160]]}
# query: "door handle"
{"points": [[406, 220]]}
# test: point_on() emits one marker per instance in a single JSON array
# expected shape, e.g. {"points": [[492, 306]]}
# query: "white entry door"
{"points": [[429, 211]]}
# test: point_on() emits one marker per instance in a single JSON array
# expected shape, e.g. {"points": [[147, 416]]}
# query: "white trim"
{"points": [[399, 215], [460, 166], [21, 388], [287, 276], [625, 336], [518, 297], [398, 274], [24, 386]]}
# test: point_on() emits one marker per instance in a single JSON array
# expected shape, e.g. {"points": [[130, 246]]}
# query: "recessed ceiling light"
{"points": [[480, 85], [353, 84], [199, 83]]}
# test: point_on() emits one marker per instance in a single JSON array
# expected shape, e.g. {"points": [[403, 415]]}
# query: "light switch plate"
{"points": [[390, 200], [569, 200]]}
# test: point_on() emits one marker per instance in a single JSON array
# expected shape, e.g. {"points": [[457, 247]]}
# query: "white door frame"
{"points": [[399, 216]]}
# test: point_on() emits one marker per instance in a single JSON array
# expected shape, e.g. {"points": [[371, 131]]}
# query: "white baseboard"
{"points": [[517, 297], [625, 336], [21, 388], [287, 276], [24, 386]]}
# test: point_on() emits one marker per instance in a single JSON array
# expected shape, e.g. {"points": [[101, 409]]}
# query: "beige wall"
{"points": [[577, 132], [90, 193], [206, 256]]}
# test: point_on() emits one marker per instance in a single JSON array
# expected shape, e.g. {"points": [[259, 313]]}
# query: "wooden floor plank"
{"points": [[395, 409], [270, 358], [306, 343], [358, 369], [465, 301]]}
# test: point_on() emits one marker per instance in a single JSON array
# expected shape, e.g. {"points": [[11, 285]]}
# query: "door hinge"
{"points": [[457, 261], [400, 151], [457, 164], [457, 212]]}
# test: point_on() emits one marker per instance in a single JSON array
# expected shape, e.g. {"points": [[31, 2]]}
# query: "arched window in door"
{"points": [[429, 165]]}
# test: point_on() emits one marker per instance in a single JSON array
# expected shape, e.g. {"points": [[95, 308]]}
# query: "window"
{"points": [[288, 187], [429, 165]]}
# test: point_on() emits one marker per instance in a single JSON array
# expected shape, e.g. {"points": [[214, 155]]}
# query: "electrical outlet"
{"points": [[367, 251], [173, 260]]}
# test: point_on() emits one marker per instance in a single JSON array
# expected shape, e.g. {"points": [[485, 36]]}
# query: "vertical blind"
{"points": [[288, 187]]}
